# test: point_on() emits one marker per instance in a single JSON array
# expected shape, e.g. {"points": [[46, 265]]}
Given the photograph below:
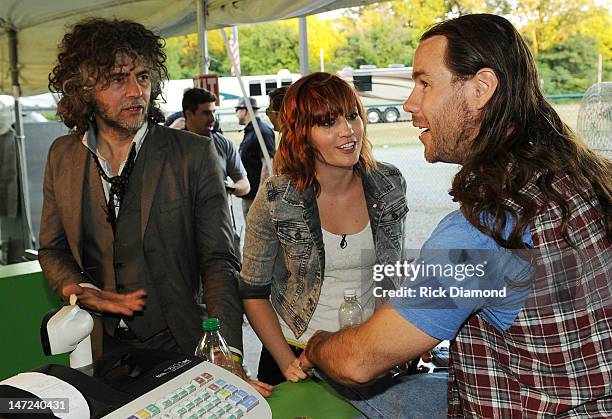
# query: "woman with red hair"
{"points": [[317, 227]]}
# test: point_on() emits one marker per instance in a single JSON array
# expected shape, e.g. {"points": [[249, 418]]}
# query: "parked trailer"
{"points": [[257, 87], [383, 91]]}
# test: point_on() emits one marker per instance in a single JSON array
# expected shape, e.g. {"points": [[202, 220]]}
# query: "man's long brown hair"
{"points": [[91, 49], [310, 101], [520, 134]]}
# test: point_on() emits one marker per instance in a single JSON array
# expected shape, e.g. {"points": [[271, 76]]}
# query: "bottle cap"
{"points": [[211, 324], [350, 292]]}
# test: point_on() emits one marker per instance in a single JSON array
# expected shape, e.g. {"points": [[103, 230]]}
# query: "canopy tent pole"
{"points": [[304, 70], [260, 139], [27, 240], [202, 34]]}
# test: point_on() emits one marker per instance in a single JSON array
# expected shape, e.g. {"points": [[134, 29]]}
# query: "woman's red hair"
{"points": [[308, 102]]}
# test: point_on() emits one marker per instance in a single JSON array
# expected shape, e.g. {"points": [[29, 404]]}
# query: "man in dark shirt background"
{"points": [[199, 111], [250, 151]]}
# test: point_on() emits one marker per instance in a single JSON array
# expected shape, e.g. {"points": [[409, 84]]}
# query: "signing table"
{"points": [[25, 298], [309, 399]]}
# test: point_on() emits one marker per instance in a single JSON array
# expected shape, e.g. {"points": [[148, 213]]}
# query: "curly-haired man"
{"points": [[135, 219]]}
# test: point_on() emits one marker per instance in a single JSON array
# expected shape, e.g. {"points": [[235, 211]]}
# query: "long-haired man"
{"points": [[544, 346]]}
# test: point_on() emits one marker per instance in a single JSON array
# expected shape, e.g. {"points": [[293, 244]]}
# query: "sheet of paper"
{"points": [[47, 386]]}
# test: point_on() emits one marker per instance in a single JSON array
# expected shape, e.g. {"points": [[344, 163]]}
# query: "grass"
{"points": [[403, 134], [381, 135], [398, 134]]}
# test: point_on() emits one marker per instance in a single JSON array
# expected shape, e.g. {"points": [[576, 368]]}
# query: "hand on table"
{"points": [[295, 371], [262, 388], [107, 301], [318, 337]]}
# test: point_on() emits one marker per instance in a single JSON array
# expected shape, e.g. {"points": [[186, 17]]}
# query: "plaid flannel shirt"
{"points": [[556, 358]]}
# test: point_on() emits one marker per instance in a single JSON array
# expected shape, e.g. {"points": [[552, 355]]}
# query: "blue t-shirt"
{"points": [[455, 243]]}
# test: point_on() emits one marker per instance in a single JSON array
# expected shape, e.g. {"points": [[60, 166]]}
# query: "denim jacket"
{"points": [[284, 255]]}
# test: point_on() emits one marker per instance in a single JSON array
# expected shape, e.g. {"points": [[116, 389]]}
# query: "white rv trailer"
{"points": [[229, 89], [383, 91], [257, 87]]}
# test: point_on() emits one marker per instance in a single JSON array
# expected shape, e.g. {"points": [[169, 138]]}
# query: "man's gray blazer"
{"points": [[185, 227]]}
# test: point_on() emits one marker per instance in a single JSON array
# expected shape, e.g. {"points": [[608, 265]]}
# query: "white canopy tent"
{"points": [[30, 31], [37, 26]]}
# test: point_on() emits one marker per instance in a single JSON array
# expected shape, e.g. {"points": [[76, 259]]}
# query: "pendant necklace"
{"points": [[343, 242]]}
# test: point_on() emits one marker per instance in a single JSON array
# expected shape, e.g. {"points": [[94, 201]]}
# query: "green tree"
{"points": [[373, 48], [269, 47], [183, 59], [264, 48], [551, 22], [569, 67], [418, 15], [565, 37], [386, 33], [326, 34]]}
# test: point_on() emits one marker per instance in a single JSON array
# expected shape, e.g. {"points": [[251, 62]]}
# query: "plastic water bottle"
{"points": [[350, 313], [212, 346]]}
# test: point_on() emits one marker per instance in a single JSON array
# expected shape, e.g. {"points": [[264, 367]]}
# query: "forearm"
{"points": [[264, 321], [341, 357], [242, 186], [60, 269], [360, 354]]}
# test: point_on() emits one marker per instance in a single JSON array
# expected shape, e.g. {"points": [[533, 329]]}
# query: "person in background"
{"points": [[276, 103], [528, 190], [319, 224], [176, 120], [251, 152], [135, 219], [199, 110]]}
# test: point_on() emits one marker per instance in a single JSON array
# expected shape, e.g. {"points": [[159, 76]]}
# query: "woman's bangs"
{"points": [[331, 100]]}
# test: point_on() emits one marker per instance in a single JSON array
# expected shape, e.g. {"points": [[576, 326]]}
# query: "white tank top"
{"points": [[348, 267]]}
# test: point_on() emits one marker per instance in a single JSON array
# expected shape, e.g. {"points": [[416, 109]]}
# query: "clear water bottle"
{"points": [[212, 346], [350, 313]]}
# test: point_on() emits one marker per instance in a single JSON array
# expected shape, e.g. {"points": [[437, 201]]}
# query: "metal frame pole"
{"points": [[260, 139], [28, 239], [304, 68], [202, 35]]}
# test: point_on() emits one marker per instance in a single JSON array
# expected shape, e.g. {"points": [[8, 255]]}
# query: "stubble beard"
{"points": [[124, 126], [454, 136]]}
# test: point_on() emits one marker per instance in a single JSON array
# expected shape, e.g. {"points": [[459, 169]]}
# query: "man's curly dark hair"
{"points": [[90, 51]]}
